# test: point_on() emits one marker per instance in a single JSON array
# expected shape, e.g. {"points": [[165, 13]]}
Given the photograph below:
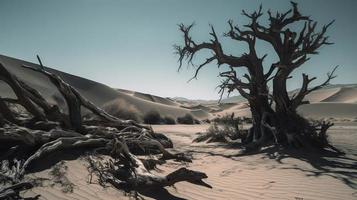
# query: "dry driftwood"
{"points": [[13, 191], [21, 93], [131, 173], [75, 100]]}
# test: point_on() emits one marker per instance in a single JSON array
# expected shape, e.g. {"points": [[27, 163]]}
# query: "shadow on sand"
{"points": [[323, 163], [50, 160], [159, 194]]}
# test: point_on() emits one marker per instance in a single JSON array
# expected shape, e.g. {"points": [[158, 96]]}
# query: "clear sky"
{"points": [[128, 43]]}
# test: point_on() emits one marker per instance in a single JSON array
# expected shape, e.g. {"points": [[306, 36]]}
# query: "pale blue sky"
{"points": [[128, 44]]}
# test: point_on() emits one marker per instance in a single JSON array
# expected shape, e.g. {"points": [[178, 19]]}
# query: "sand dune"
{"points": [[199, 106], [200, 114], [321, 95], [344, 95], [334, 110], [145, 106], [239, 109], [96, 92], [155, 99], [99, 94], [338, 101]]}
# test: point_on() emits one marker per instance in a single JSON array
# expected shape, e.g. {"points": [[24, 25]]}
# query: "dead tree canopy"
{"points": [[42, 129], [293, 48]]}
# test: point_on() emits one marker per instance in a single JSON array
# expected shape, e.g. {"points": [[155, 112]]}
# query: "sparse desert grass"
{"points": [[58, 173]]}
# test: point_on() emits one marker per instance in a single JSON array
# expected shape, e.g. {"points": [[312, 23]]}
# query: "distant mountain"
{"points": [[233, 99], [193, 101]]}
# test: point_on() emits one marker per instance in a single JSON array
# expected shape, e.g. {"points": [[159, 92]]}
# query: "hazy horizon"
{"points": [[128, 44]]}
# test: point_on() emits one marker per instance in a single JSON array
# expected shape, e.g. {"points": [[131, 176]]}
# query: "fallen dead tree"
{"points": [[13, 191], [45, 129], [128, 172]]}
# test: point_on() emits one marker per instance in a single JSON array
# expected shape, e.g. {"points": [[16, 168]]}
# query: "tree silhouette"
{"points": [[274, 112]]}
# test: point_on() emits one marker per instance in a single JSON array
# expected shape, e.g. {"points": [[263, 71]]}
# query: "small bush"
{"points": [[169, 120], [122, 110], [219, 133], [228, 119], [152, 117], [207, 121], [224, 129], [186, 119]]}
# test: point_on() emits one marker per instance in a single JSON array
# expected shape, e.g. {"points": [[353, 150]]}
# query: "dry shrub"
{"points": [[152, 117], [169, 120], [218, 133], [223, 129], [123, 110], [186, 119]]}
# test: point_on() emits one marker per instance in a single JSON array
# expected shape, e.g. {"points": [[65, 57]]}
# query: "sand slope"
{"points": [[326, 110], [344, 95], [98, 93], [339, 101]]}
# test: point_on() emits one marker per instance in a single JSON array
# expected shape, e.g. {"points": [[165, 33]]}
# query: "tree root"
{"points": [[13, 191], [128, 172]]}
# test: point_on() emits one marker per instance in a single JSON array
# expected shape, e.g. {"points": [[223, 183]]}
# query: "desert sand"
{"points": [[262, 176]]}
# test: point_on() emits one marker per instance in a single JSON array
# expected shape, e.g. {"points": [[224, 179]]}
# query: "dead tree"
{"points": [[75, 100], [24, 140], [21, 94], [13, 191], [115, 172], [280, 122]]}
